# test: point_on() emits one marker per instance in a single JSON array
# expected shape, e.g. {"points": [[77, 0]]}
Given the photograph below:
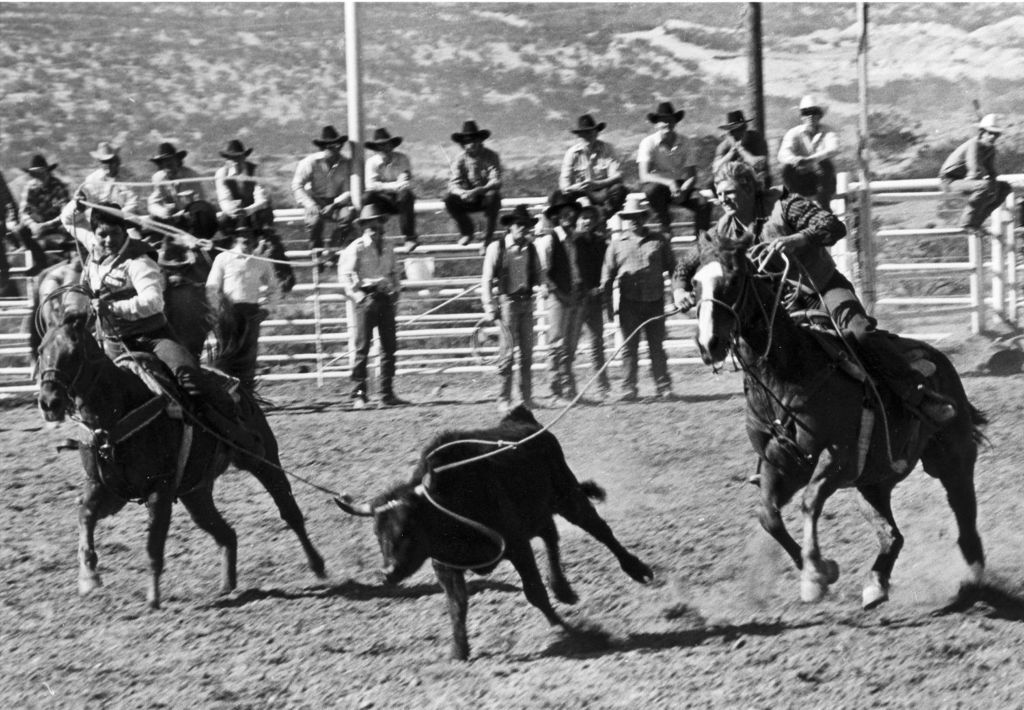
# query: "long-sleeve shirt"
{"points": [[238, 277], [171, 195], [972, 160], [7, 199], [582, 164], [363, 269], [391, 174], [233, 195], [671, 162], [754, 144], [796, 215], [98, 187], [468, 172], [798, 143], [517, 273], [317, 183], [42, 201], [637, 261]]}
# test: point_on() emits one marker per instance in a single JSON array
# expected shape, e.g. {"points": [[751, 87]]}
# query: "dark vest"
{"points": [[243, 190], [501, 268], [590, 259], [559, 271]]}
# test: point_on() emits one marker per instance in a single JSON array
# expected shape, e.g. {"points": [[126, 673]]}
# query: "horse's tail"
{"points": [[978, 420], [229, 329]]}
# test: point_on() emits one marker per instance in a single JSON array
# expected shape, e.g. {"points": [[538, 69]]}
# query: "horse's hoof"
{"points": [[975, 574], [873, 595], [830, 571], [88, 585], [811, 590]]}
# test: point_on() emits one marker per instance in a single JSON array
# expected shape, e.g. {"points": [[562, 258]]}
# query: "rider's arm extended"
{"points": [[812, 225]]}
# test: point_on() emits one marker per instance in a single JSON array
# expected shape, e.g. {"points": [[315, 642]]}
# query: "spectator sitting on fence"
{"points": [[806, 153], [105, 184], [389, 182], [7, 205], [178, 198], [634, 270], [368, 272], [745, 145], [591, 169], [322, 186], [42, 199], [667, 172], [233, 290], [475, 183], [512, 268], [971, 170]]}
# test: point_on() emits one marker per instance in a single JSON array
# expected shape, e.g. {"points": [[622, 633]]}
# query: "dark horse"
{"points": [[124, 461], [808, 422]]}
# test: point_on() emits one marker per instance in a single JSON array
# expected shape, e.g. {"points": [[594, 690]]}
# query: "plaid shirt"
{"points": [[638, 262], [798, 215], [42, 201]]}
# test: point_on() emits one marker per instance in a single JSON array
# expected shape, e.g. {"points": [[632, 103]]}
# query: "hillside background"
{"points": [[199, 74]]}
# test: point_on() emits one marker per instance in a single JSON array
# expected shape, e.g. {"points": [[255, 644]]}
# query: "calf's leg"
{"points": [[580, 512], [556, 576], [453, 581], [521, 556]]}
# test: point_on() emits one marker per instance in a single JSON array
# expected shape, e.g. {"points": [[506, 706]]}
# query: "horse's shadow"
{"points": [[351, 590], [994, 601]]}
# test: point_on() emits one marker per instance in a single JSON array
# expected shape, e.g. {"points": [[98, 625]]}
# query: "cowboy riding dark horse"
{"points": [[128, 288]]}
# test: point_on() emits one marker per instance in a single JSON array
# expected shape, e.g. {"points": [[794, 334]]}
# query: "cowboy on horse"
{"points": [[803, 231], [129, 291]]}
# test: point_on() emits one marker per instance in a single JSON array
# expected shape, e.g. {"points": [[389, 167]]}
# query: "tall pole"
{"points": [[864, 227], [354, 98], [755, 73]]}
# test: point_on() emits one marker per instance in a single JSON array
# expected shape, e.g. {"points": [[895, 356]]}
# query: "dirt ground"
{"points": [[722, 625]]}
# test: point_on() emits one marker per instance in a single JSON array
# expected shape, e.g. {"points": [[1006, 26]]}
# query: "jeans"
{"points": [[375, 311], [402, 202], [588, 315], [489, 203], [631, 315], [562, 311], [983, 197], [517, 315], [660, 198]]}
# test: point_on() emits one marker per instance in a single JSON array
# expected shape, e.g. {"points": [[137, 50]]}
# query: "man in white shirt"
{"points": [[389, 183], [667, 172], [806, 153], [368, 272], [233, 290]]}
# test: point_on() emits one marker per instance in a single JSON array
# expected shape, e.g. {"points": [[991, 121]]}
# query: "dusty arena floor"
{"points": [[722, 625]]}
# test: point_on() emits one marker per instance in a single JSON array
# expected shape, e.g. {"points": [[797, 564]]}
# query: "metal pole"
{"points": [[354, 97], [755, 74], [864, 226]]}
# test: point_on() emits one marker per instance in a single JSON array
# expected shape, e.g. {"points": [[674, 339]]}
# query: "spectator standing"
{"points": [[42, 199], [591, 169], [634, 269], [234, 286], [591, 243], [512, 269], [105, 183], [563, 286], [389, 183], [971, 170], [475, 183], [806, 153], [368, 272], [322, 187], [667, 172]]}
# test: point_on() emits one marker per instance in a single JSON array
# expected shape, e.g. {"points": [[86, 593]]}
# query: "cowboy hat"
{"points": [[235, 150], [991, 122], [734, 119], [38, 163], [811, 102], [519, 215], [586, 123], [166, 151], [329, 136], [666, 113], [470, 132], [634, 206], [381, 138], [556, 201], [104, 152], [372, 212]]}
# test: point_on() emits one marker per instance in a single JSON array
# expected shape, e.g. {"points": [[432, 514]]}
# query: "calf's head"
{"points": [[398, 525]]}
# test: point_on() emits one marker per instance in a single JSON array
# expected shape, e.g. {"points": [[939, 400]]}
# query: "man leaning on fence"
{"points": [[971, 170], [368, 272], [512, 268]]}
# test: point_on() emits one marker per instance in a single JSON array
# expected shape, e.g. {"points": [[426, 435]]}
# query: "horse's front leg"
{"points": [[159, 505], [818, 572], [96, 502], [777, 490]]}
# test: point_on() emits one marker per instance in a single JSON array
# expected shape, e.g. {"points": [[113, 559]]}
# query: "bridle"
{"points": [[56, 376]]}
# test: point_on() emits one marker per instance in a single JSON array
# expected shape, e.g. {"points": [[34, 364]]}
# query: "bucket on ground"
{"points": [[419, 268]]}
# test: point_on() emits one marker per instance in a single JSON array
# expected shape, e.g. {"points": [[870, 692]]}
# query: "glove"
{"points": [[686, 301]]}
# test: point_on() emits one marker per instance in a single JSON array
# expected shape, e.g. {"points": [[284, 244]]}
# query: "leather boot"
{"points": [[219, 411]]}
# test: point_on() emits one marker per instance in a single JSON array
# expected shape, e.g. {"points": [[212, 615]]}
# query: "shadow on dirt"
{"points": [[991, 599], [351, 590]]}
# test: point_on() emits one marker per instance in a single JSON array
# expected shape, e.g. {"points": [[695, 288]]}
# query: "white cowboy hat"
{"points": [[811, 101], [634, 206], [991, 122]]}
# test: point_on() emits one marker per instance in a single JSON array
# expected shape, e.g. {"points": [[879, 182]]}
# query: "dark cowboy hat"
{"points": [[470, 132], [329, 136], [167, 151], [667, 113], [235, 150], [372, 212], [734, 119], [104, 152], [556, 201], [37, 163], [381, 138], [519, 215], [586, 123]]}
